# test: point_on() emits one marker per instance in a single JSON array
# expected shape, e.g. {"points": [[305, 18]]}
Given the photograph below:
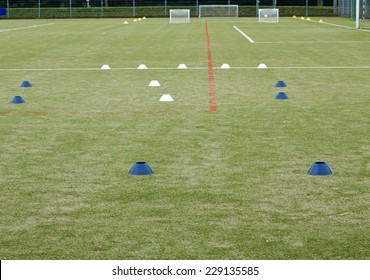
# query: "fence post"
{"points": [[7, 8]]}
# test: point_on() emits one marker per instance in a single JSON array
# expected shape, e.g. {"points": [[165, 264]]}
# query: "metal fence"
{"points": [[347, 8], [133, 8]]}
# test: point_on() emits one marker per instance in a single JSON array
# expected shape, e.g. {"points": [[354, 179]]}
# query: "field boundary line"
{"points": [[188, 69], [211, 78], [304, 67], [338, 25], [26, 27], [245, 35], [313, 42], [99, 69]]}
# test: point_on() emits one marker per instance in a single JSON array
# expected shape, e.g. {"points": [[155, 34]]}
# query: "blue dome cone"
{"points": [[280, 84], [281, 95], [319, 168], [141, 168], [18, 99], [25, 84]]}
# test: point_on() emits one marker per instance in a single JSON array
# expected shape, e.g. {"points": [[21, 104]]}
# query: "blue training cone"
{"points": [[141, 168], [319, 168], [18, 99], [280, 84], [25, 84], [281, 96]]}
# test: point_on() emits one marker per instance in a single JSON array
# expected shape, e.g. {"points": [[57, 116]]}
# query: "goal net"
{"points": [[218, 11], [179, 16], [268, 15]]}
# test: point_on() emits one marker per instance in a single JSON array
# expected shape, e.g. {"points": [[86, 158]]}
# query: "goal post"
{"points": [[268, 15], [180, 16], [220, 11], [361, 13]]}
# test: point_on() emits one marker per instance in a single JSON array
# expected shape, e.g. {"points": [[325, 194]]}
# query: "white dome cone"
{"points": [[166, 98], [225, 66], [105, 67], [154, 83], [182, 66], [262, 66], [142, 66]]}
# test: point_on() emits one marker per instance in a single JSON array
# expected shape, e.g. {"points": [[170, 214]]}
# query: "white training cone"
{"points": [[225, 66], [154, 83], [166, 98], [262, 66], [105, 67], [182, 66], [142, 66], [125, 22]]}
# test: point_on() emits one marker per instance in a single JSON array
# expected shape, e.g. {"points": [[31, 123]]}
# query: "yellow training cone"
{"points": [[321, 21], [126, 22], [294, 17], [302, 18], [308, 19]]}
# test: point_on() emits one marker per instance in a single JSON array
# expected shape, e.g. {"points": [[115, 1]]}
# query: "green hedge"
{"points": [[158, 11]]}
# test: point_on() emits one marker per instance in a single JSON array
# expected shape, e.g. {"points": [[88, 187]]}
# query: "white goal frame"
{"points": [[222, 11], [362, 14], [180, 16], [268, 15]]}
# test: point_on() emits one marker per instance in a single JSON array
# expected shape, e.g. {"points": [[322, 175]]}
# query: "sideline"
{"points": [[26, 27]]}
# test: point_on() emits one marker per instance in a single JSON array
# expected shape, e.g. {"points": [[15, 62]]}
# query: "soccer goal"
{"points": [[220, 11], [362, 13], [268, 15], [179, 16]]}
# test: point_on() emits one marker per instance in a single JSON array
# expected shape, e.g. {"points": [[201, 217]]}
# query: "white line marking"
{"points": [[342, 26], [314, 42], [308, 67], [96, 69], [189, 68], [245, 35], [26, 27]]}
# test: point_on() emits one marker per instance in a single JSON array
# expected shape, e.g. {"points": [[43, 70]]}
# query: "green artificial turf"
{"points": [[230, 184]]}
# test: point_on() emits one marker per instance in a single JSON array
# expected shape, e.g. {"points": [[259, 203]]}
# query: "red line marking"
{"points": [[211, 78]]}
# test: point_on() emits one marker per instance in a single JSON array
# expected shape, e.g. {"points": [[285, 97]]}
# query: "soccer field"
{"points": [[230, 161]]}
